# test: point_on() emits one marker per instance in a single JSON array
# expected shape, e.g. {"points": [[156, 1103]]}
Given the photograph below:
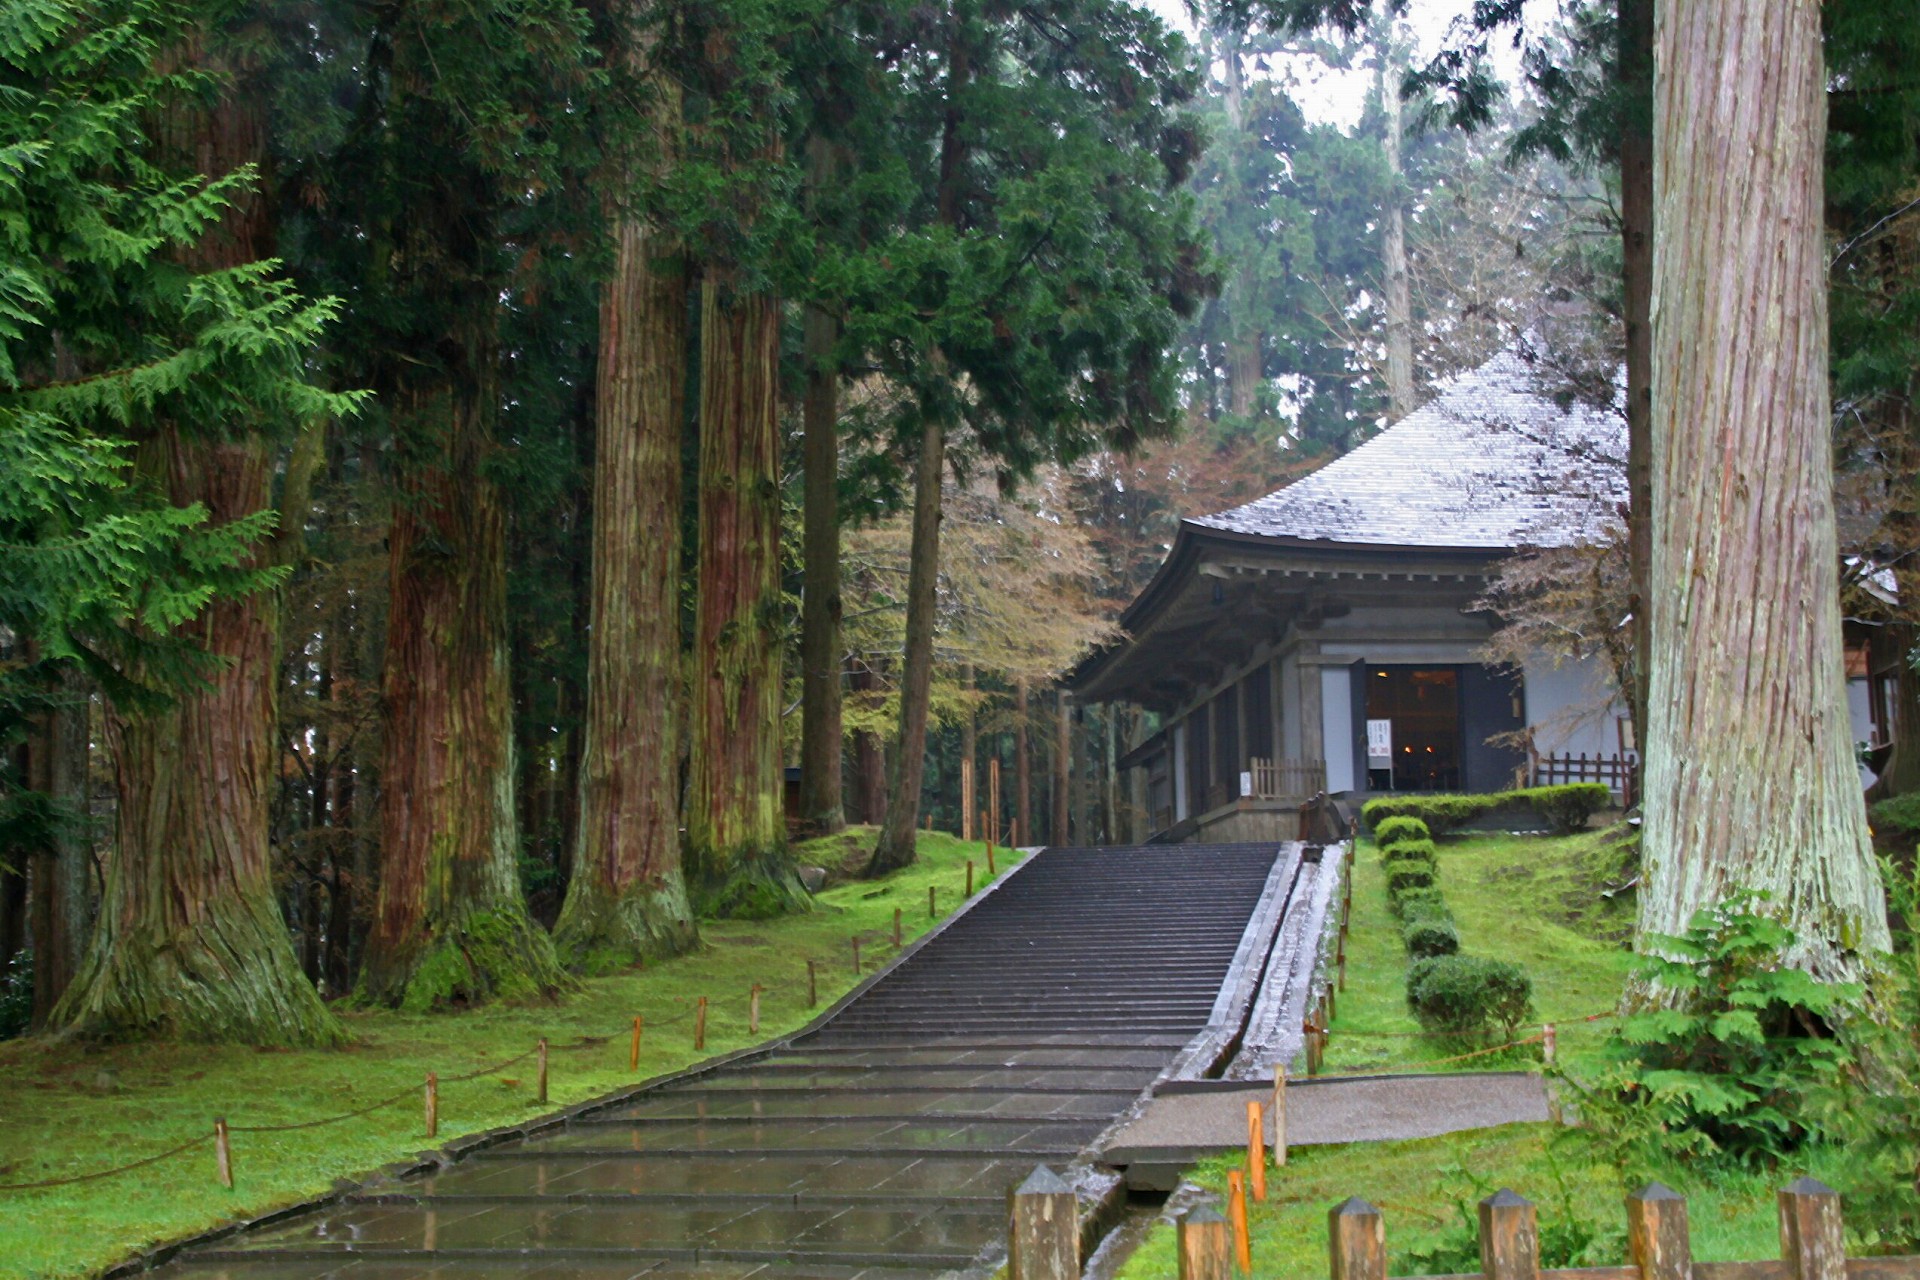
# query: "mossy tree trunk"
{"points": [[1750, 776], [820, 660], [627, 899], [1635, 53], [737, 859], [57, 761]]}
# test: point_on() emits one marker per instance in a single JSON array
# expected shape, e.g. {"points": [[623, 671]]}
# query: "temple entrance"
{"points": [[1413, 728]]}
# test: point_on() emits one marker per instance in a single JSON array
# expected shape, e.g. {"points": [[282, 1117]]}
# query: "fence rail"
{"points": [[1287, 779], [1619, 771]]}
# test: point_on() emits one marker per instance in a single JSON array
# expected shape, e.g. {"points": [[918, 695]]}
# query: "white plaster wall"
{"points": [[1860, 715], [1572, 708], [1179, 736], [1336, 726], [1288, 673]]}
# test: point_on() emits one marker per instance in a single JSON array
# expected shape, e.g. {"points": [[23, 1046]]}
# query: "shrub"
{"points": [[1410, 851], [1441, 813], [1404, 876], [1468, 997], [1567, 807], [1429, 935], [1898, 818], [1392, 831], [1412, 903]]}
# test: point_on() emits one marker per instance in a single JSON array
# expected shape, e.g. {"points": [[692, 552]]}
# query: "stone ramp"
{"points": [[879, 1144]]}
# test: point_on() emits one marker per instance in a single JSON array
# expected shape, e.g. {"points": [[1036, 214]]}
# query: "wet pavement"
{"points": [[879, 1146]]}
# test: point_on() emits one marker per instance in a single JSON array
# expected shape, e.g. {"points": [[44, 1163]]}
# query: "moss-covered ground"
{"points": [[68, 1109], [1537, 900]]}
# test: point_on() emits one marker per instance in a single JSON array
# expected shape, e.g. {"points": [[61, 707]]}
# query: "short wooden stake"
{"points": [[1280, 1116], [969, 892], [1331, 1005], [1043, 1229], [1257, 1152], [1237, 1218], [896, 929], [432, 1100], [813, 987], [855, 939], [223, 1152], [1812, 1243], [1509, 1237], [989, 857], [1356, 1241], [753, 1010], [633, 1058], [1657, 1238], [540, 1081], [1549, 1043], [1341, 960], [1201, 1237], [700, 1023], [930, 909]]}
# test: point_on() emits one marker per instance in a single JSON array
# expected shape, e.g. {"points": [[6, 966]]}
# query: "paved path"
{"points": [[879, 1146]]}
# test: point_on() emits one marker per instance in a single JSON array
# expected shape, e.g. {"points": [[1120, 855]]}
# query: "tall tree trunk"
{"points": [[1397, 296], [1062, 769], [869, 758], [189, 942], [1635, 20], [627, 898], [451, 925], [1022, 764], [895, 848], [820, 733], [971, 779], [737, 859], [1750, 777], [58, 750]]}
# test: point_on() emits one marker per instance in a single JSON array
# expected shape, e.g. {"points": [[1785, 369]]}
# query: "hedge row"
{"points": [[1463, 997], [1565, 807]]}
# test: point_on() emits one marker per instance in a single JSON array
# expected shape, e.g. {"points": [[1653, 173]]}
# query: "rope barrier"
{"points": [[1417, 1035], [108, 1173]]}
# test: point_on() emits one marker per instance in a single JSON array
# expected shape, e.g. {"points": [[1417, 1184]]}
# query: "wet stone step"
{"points": [[902, 1059], [999, 1079], [693, 1136], [823, 1176], [338, 1268], [799, 1105]]}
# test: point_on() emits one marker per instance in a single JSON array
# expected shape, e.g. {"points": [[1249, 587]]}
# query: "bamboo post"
{"points": [[1356, 1241], [813, 987], [700, 1024], [931, 913], [1237, 1218], [1043, 1229], [432, 1103], [223, 1152], [753, 1010], [1549, 1043], [1201, 1238], [1257, 1152], [633, 1058], [1280, 1116], [1509, 1237], [540, 1081], [1812, 1243], [969, 892], [1657, 1238], [896, 929], [855, 940]]}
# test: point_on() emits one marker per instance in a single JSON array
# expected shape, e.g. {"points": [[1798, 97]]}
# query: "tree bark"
{"points": [[58, 757], [737, 859], [627, 897], [1635, 20], [1750, 777], [820, 732], [1062, 769], [895, 848], [1022, 764], [1397, 294]]}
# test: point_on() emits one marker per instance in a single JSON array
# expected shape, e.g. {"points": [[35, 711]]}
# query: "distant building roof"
{"points": [[1491, 462]]}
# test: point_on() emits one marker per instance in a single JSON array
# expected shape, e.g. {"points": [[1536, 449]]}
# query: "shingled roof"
{"points": [[1492, 462]]}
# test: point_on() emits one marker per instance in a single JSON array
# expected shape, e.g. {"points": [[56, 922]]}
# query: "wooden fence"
{"points": [[1283, 779], [1620, 772]]}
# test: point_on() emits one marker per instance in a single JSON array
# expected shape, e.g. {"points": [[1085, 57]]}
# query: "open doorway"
{"points": [[1413, 728]]}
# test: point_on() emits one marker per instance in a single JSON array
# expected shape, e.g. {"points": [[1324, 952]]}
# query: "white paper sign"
{"points": [[1379, 740], [1246, 783]]}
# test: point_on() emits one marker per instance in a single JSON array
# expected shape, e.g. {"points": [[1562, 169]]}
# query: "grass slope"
{"points": [[71, 1108], [1527, 898]]}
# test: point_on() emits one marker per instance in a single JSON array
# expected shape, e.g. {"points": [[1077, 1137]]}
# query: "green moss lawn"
{"points": [[67, 1109], [1536, 900]]}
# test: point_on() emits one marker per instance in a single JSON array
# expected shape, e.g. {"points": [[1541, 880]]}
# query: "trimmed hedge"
{"points": [[1430, 935], [1404, 876], [1565, 807], [1469, 996], [1425, 900], [1393, 831], [1410, 851]]}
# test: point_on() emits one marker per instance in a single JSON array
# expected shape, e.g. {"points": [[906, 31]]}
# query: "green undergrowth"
{"points": [[67, 1108]]}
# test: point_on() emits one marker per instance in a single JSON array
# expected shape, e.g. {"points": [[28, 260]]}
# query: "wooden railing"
{"points": [[1619, 772], [1283, 779]]}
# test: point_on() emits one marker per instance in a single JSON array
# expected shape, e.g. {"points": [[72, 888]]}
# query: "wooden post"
{"points": [[1509, 1237], [1237, 1219], [1356, 1241], [1328, 1003], [753, 1010], [223, 1152], [1201, 1239], [540, 1080], [989, 859], [1340, 958], [855, 940], [432, 1102], [813, 988], [633, 1058], [1549, 1044], [1043, 1229], [1657, 1238], [1280, 1116], [993, 796], [1257, 1152], [700, 1024], [896, 929], [1811, 1241], [931, 912], [969, 892], [982, 828]]}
